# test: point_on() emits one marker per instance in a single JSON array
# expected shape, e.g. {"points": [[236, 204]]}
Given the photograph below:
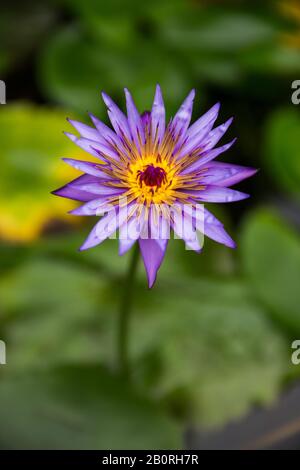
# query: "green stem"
{"points": [[125, 311]]}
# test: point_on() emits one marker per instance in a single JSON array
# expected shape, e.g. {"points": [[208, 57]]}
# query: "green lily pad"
{"points": [[282, 149], [74, 407], [271, 259], [208, 349]]}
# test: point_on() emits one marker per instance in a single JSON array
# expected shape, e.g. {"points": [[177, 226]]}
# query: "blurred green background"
{"points": [[212, 340]]}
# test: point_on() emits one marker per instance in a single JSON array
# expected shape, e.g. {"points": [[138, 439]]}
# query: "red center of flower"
{"points": [[152, 176]]}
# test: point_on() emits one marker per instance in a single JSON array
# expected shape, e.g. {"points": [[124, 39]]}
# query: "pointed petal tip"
{"points": [[151, 282], [193, 93], [122, 250], [84, 247], [70, 136], [106, 98], [158, 93], [74, 211], [253, 171]]}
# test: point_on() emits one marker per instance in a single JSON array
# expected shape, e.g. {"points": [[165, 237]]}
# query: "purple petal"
{"points": [[194, 142], [208, 224], [106, 133], [125, 245], [218, 234], [105, 228], [183, 116], [95, 187], [185, 229], [90, 168], [134, 120], [97, 149], [72, 192], [159, 226], [153, 255], [207, 156], [218, 194], [158, 115], [86, 131], [226, 174], [209, 218], [93, 207], [216, 134], [207, 119], [117, 117], [214, 229], [146, 119], [129, 232]]}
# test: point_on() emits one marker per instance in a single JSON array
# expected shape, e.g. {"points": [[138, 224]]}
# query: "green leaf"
{"points": [[271, 259], [272, 58], [77, 79], [282, 149], [223, 32], [57, 312], [32, 143], [79, 408], [207, 349]]}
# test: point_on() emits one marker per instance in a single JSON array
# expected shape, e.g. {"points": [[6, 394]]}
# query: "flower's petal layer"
{"points": [[207, 119], [146, 120], [216, 134], [93, 207], [125, 245], [153, 255], [208, 224], [91, 185], [97, 149], [185, 229], [134, 120], [105, 228], [106, 133], [87, 167], [194, 143], [117, 117], [217, 194], [207, 156], [86, 131], [210, 218], [218, 234], [225, 174], [158, 115], [159, 226], [129, 233], [214, 229], [183, 116], [71, 190], [98, 188]]}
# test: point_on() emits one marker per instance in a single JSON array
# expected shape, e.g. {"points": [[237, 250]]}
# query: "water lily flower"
{"points": [[153, 167]]}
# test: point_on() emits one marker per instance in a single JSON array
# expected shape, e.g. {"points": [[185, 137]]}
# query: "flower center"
{"points": [[152, 176]]}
